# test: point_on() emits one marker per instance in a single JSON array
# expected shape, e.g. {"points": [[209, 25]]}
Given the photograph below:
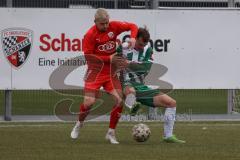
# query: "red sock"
{"points": [[84, 111], [115, 115]]}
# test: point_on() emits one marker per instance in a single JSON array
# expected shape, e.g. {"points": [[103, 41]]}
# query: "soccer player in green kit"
{"points": [[139, 60]]}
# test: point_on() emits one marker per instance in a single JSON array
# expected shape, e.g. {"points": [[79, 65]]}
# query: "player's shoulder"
{"points": [[115, 23], [92, 32], [148, 48]]}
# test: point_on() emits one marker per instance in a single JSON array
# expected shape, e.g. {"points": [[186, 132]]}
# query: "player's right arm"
{"points": [[89, 44]]}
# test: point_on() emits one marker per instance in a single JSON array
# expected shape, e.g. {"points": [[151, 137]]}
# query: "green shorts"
{"points": [[144, 94]]}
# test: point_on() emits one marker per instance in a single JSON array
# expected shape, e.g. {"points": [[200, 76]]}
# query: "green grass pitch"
{"points": [[44, 141]]}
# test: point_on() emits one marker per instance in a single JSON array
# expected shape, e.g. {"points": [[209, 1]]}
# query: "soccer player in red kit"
{"points": [[99, 47]]}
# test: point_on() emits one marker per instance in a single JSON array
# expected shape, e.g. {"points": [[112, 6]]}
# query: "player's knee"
{"points": [[173, 103], [167, 101], [118, 97], [170, 103], [88, 101], [129, 90], [119, 101]]}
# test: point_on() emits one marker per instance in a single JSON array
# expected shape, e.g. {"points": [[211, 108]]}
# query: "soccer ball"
{"points": [[141, 132]]}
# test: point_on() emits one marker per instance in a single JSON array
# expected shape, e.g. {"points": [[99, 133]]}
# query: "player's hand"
{"points": [[119, 62]]}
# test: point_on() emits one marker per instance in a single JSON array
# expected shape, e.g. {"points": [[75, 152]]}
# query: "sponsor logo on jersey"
{"points": [[107, 47], [110, 34]]}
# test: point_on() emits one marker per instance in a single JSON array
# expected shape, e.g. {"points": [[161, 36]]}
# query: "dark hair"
{"points": [[144, 34]]}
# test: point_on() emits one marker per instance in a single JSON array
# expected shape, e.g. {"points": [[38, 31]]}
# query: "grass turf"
{"points": [[44, 141]]}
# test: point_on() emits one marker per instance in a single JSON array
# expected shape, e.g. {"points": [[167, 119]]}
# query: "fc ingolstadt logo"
{"points": [[16, 44]]}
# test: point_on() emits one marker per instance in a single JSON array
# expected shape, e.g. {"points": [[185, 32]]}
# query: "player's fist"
{"points": [[119, 62], [132, 42]]}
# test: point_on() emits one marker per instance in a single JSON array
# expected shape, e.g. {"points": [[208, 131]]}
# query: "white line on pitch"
{"points": [[25, 125], [90, 124]]}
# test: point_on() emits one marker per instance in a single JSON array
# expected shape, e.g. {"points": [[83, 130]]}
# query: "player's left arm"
{"points": [[126, 26]]}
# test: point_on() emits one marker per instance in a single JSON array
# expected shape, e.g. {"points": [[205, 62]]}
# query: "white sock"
{"points": [[130, 100], [111, 131], [169, 119], [79, 124]]}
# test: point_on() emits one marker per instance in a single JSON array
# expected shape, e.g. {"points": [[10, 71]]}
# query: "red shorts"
{"points": [[108, 83]]}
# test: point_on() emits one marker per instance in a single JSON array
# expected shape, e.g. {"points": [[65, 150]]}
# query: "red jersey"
{"points": [[103, 45]]}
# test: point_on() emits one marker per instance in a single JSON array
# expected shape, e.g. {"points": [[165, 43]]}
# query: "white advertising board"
{"points": [[200, 48]]}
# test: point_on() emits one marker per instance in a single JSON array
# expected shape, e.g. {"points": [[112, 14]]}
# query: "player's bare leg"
{"points": [[115, 115], [89, 100], [169, 116]]}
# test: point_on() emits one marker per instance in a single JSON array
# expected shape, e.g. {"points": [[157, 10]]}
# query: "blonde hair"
{"points": [[101, 13]]}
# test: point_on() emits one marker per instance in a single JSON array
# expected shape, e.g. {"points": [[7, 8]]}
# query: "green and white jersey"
{"points": [[139, 66]]}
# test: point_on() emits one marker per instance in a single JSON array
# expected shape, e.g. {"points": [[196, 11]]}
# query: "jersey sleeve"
{"points": [[88, 44], [125, 26], [88, 50], [148, 55]]}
